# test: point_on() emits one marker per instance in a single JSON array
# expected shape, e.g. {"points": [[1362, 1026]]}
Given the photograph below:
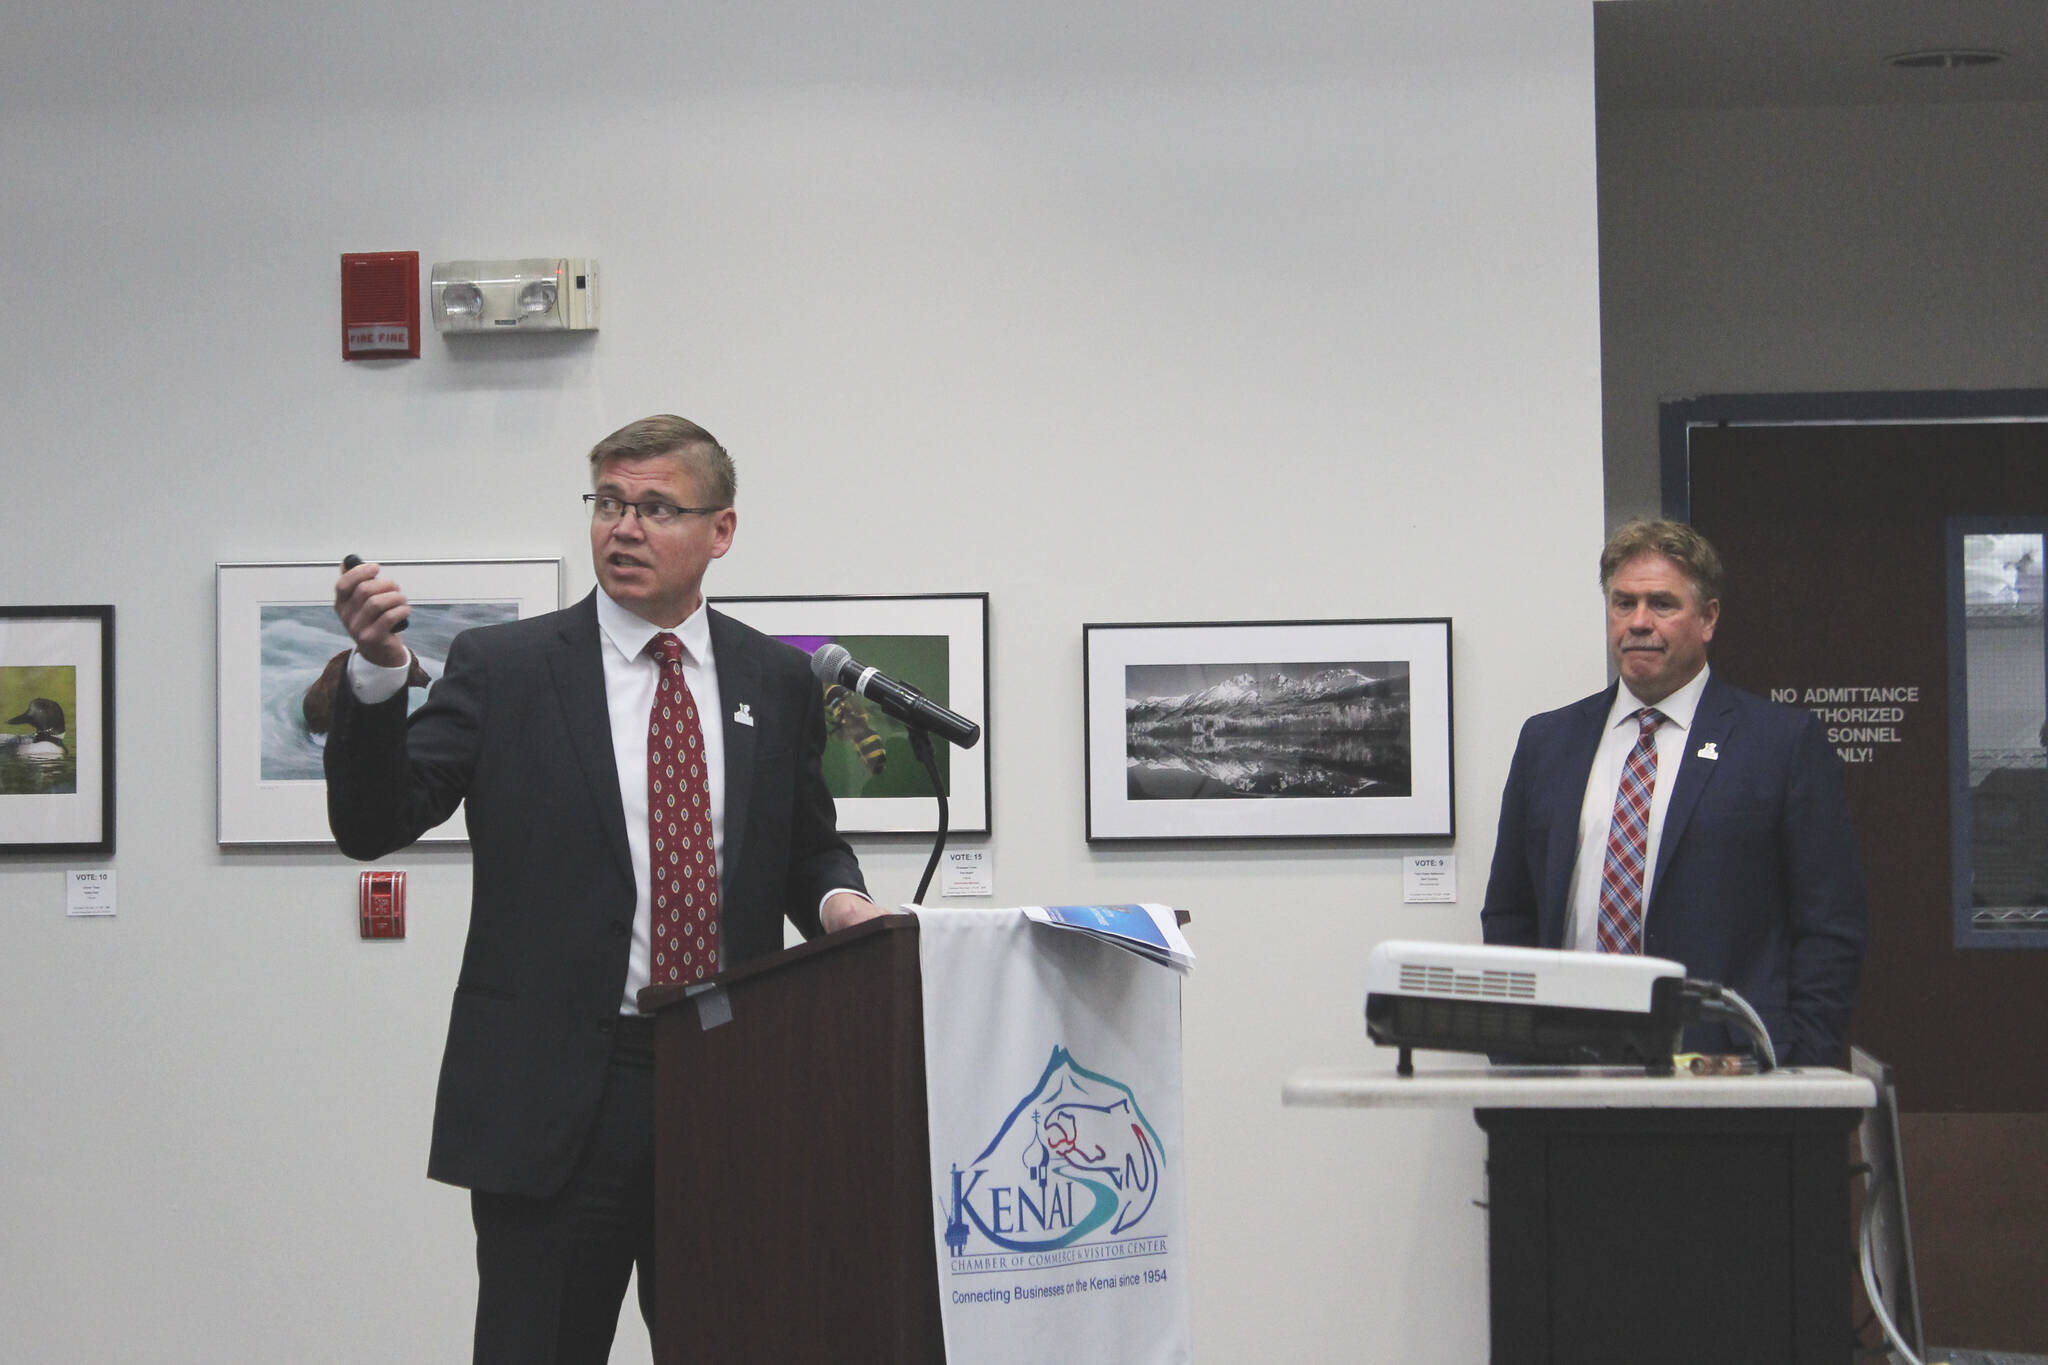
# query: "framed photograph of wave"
{"points": [[57, 730], [1268, 729], [281, 652]]}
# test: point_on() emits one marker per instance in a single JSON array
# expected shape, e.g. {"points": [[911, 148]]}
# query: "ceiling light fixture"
{"points": [[1944, 59]]}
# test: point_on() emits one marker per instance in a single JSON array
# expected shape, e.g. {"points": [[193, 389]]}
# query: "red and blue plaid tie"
{"points": [[1628, 841]]}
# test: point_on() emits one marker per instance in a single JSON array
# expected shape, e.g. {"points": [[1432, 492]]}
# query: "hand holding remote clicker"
{"points": [[373, 611]]}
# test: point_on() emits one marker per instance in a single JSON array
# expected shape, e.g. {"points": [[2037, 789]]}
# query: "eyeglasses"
{"points": [[606, 508]]}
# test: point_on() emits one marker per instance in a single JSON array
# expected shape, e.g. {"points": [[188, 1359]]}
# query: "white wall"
{"points": [[1191, 314], [1811, 250]]}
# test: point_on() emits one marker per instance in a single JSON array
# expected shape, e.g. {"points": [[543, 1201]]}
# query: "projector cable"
{"points": [[1710, 1000]]}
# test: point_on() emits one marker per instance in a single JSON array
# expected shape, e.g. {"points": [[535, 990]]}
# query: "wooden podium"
{"points": [[793, 1203]]}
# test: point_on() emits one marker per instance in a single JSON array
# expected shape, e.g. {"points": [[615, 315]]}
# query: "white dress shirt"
{"points": [[1596, 814]]}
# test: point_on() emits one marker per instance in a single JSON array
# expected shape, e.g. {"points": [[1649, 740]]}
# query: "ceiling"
{"points": [[1649, 53], [1694, 54]]}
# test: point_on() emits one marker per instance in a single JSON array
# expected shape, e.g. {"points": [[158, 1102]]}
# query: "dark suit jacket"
{"points": [[1758, 884], [517, 727]]}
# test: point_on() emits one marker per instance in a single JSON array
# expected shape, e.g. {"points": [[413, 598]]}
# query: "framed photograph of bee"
{"points": [[1268, 729], [282, 652], [936, 643], [57, 730]]}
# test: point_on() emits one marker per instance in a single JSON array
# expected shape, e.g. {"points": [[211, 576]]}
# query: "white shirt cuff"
{"points": [[835, 891], [372, 683]]}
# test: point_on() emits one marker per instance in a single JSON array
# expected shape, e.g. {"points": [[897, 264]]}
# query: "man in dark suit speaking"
{"points": [[644, 804], [1675, 816]]}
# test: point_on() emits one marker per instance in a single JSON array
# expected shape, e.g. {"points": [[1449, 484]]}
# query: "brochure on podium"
{"points": [[1150, 931]]}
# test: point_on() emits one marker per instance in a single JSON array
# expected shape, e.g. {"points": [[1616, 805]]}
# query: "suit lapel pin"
{"points": [[1710, 750], [745, 715]]}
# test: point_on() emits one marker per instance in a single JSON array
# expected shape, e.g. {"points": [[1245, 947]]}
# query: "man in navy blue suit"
{"points": [[1678, 817]]}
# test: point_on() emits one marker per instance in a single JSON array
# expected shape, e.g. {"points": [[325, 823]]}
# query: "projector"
{"points": [[1527, 1005]]}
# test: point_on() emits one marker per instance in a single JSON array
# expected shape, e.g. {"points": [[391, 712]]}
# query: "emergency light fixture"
{"points": [[534, 294]]}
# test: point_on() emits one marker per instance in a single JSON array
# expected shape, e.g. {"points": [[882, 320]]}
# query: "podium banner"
{"points": [[1053, 1075]]}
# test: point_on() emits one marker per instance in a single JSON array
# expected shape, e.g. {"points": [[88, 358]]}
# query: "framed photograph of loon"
{"points": [[1268, 729], [57, 730], [281, 654], [935, 643]]}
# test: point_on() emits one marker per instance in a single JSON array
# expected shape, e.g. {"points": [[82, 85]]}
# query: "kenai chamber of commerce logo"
{"points": [[1075, 1164]]}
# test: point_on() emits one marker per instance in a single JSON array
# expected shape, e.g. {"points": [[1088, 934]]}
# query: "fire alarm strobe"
{"points": [[380, 305]]}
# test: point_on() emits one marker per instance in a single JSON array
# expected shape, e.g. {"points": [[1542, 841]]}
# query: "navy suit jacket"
{"points": [[1758, 883], [517, 727]]}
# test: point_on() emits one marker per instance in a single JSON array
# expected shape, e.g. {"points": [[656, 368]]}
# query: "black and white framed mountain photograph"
{"points": [[1301, 729]]}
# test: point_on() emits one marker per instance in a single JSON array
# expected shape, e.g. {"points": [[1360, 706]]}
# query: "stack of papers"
{"points": [[1150, 931]]}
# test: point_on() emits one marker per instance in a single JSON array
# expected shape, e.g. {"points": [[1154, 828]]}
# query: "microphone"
{"points": [[832, 664]]}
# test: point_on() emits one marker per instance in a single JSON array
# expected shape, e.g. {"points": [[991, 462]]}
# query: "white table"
{"points": [[1639, 1219], [1461, 1083]]}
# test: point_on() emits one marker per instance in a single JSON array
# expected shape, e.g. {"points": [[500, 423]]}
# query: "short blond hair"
{"points": [[666, 434]]}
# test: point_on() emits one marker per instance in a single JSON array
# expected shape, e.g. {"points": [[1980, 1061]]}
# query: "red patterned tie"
{"points": [[1628, 840], [683, 858]]}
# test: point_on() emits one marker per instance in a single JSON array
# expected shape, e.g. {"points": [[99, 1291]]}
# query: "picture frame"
{"points": [[57, 730], [278, 640], [935, 642], [1268, 729]]}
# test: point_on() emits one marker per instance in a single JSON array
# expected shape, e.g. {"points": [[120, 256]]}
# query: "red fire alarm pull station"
{"points": [[383, 904], [380, 305]]}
